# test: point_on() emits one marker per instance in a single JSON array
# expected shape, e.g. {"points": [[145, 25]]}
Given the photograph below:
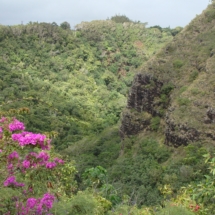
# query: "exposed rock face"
{"points": [[141, 100], [142, 106], [210, 118], [180, 134], [187, 111], [132, 123], [145, 88]]}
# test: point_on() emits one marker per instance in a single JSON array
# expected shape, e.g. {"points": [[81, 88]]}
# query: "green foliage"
{"points": [[176, 30], [174, 209], [65, 25], [182, 89], [155, 122], [80, 204], [193, 75], [167, 88], [73, 82], [203, 192], [120, 19], [95, 177], [183, 101], [177, 64], [210, 14], [139, 172]]}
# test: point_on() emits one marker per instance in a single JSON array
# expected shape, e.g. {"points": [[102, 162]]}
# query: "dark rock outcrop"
{"points": [[133, 123], [210, 118], [174, 91], [179, 134], [143, 92], [141, 99]]}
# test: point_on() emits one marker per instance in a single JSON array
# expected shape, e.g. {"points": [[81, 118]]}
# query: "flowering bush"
{"points": [[32, 177]]}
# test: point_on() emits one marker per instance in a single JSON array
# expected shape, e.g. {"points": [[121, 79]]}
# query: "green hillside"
{"points": [[133, 106], [74, 82], [167, 127]]}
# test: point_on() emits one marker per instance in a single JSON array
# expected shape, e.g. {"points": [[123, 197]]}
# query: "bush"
{"points": [[177, 64], [155, 122], [173, 209], [183, 101], [193, 75], [167, 88]]}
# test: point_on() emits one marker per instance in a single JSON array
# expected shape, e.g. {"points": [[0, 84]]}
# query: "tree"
{"points": [[65, 25], [120, 19]]}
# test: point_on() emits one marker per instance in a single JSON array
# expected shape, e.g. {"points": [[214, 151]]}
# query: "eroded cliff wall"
{"points": [[174, 93]]}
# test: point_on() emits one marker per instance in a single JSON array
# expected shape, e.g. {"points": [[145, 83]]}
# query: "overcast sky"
{"points": [[156, 12]]}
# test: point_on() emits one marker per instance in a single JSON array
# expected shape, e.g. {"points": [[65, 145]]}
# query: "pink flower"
{"points": [[13, 155], [28, 138], [16, 125], [10, 168], [59, 160], [3, 119], [50, 165], [26, 164], [1, 151], [39, 205], [31, 202], [12, 181], [1, 129], [47, 200], [43, 156]]}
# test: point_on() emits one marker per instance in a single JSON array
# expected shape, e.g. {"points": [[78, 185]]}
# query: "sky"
{"points": [[166, 13]]}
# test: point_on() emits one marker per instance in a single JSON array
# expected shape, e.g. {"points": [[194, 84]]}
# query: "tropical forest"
{"points": [[109, 118]]}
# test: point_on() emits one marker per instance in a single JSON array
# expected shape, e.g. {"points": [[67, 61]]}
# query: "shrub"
{"points": [[167, 88], [31, 175], [193, 75], [177, 64], [155, 122], [183, 101], [174, 209]]}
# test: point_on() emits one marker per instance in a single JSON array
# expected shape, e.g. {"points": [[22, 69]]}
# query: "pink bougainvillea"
{"points": [[38, 206], [3, 119], [20, 163], [11, 181], [13, 155], [16, 125], [29, 138]]}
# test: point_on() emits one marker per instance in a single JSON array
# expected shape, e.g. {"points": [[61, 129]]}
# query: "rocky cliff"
{"points": [[174, 93]]}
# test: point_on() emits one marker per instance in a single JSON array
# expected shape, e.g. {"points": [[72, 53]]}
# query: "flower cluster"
{"points": [[41, 159], [29, 138], [16, 125], [38, 206], [3, 119], [13, 155], [12, 159], [11, 181], [17, 163]]}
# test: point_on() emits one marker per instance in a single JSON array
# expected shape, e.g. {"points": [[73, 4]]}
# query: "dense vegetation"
{"points": [[73, 85], [74, 82]]}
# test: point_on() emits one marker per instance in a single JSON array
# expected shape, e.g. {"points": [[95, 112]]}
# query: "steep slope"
{"points": [[73, 82], [174, 92]]}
